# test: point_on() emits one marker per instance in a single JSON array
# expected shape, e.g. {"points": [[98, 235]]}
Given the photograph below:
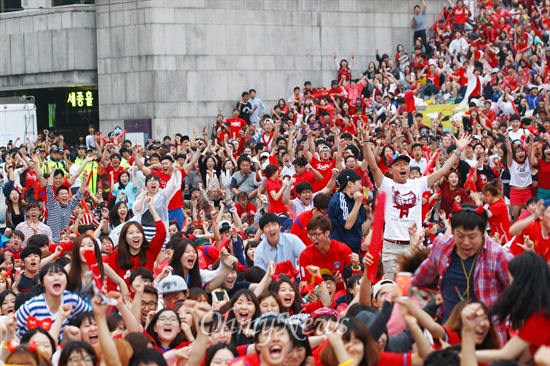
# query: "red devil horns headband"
{"points": [[478, 210]]}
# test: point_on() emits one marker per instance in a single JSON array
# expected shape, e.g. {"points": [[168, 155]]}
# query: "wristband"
{"points": [[457, 153], [318, 280]]}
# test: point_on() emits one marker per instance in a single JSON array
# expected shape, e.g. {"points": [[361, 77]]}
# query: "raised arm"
{"points": [[106, 342], [460, 146], [137, 160], [369, 156]]}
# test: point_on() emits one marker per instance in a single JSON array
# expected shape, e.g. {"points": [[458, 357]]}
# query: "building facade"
{"points": [[169, 65]]}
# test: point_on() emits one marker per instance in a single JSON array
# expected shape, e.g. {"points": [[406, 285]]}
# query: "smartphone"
{"points": [[229, 207], [220, 296], [366, 193]]}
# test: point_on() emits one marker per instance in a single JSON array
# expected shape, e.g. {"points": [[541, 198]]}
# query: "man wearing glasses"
{"points": [[330, 255], [33, 226]]}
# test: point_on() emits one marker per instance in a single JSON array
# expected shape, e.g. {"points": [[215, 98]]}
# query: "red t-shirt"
{"points": [[536, 331], [460, 14], [452, 338], [275, 206], [331, 262], [409, 101], [325, 168], [152, 252], [500, 221], [250, 209], [235, 125], [176, 201], [386, 358], [544, 171], [299, 227], [308, 176], [542, 245]]}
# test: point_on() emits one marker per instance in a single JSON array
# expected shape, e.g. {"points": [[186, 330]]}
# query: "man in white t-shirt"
{"points": [[404, 199]]}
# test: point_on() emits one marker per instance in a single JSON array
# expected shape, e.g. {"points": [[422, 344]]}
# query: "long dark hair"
{"points": [[371, 354], [78, 347], [29, 334], [211, 352], [249, 295], [180, 246], [22, 206], [74, 282], [151, 329], [114, 219], [123, 256], [531, 282], [454, 323], [296, 307], [299, 339]]}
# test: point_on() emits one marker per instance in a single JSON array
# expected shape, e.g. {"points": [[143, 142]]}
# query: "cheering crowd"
{"points": [[336, 228]]}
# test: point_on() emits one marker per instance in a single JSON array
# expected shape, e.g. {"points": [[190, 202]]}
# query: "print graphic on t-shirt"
{"points": [[403, 202]]}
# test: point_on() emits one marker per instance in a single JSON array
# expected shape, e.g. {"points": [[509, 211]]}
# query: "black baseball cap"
{"points": [[345, 176]]}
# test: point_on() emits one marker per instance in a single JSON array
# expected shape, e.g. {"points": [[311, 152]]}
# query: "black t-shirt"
{"points": [[463, 170], [454, 281], [24, 284], [244, 110]]}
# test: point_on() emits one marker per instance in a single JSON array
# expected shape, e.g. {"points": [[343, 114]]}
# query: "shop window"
{"points": [[71, 2], [7, 6]]}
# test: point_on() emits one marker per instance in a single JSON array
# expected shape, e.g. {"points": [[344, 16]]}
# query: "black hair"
{"points": [[269, 218], [440, 357], [242, 158], [137, 341], [253, 274], [77, 347], [28, 250], [145, 274], [87, 315], [152, 332], [301, 162], [303, 186], [531, 281], [150, 177], [468, 219], [167, 157], [61, 188], [38, 240], [299, 339], [147, 356], [321, 201], [211, 352], [29, 334]]}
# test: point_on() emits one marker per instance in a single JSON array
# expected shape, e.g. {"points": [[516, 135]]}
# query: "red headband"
{"points": [[457, 208]]}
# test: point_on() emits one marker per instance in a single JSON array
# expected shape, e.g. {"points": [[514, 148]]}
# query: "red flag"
{"points": [[85, 206], [514, 106], [431, 163], [119, 137], [470, 184], [376, 241], [91, 261]]}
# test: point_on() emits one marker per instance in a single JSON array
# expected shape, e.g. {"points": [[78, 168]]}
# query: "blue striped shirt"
{"points": [[59, 217], [38, 308]]}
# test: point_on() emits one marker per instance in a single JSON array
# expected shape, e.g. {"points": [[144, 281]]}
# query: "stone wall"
{"points": [[48, 48], [179, 61]]}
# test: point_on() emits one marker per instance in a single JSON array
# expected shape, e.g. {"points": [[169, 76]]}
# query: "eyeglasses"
{"points": [[76, 360], [172, 320], [323, 212], [150, 304], [315, 235]]}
